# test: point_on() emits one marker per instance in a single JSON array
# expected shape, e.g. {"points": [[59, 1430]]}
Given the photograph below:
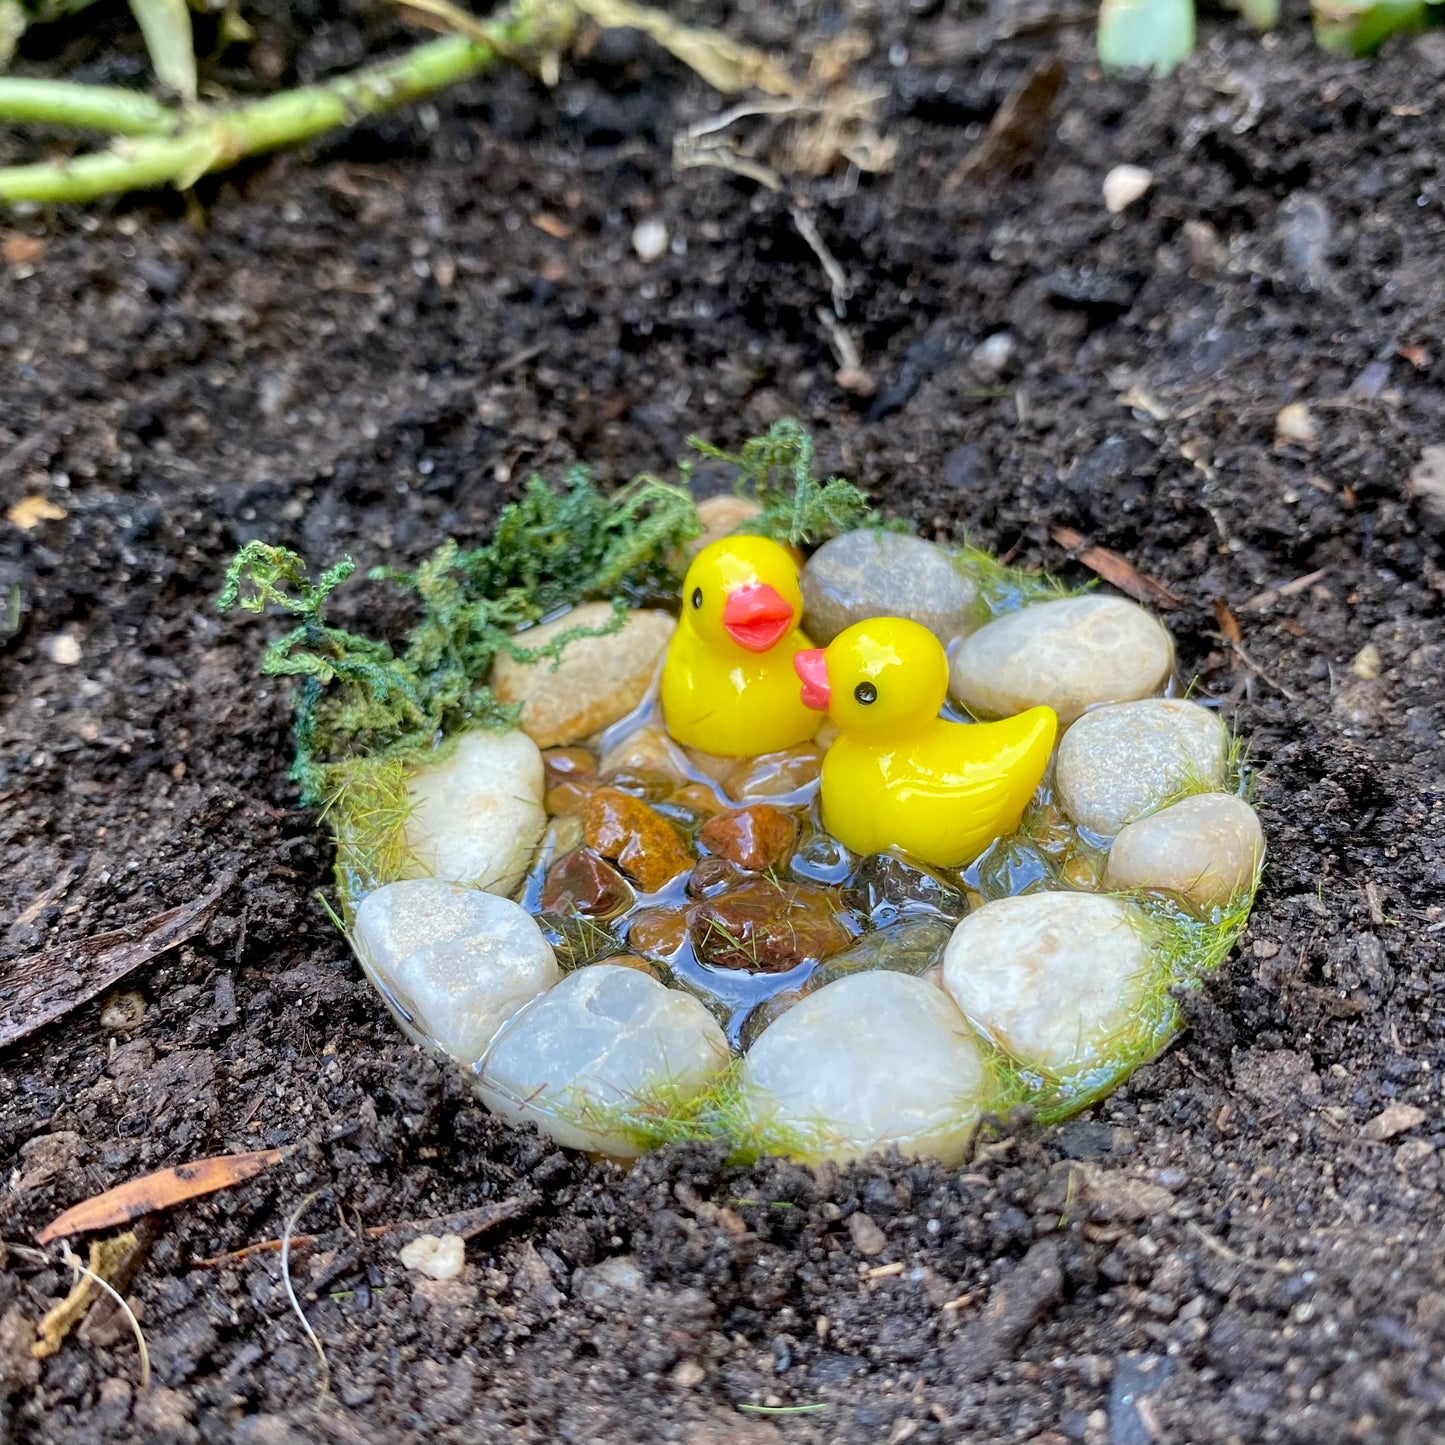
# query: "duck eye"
{"points": [[697, 597], [865, 692]]}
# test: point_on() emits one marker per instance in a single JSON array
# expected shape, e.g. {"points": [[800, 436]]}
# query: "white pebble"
{"points": [[649, 239], [453, 963], [1124, 185], [1069, 654], [870, 1061], [1051, 976], [63, 649], [476, 817], [1206, 848], [992, 355], [438, 1256], [1295, 425], [585, 1059], [1120, 760]]}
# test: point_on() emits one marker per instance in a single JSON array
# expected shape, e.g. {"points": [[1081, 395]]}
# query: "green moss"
{"points": [[799, 509]]}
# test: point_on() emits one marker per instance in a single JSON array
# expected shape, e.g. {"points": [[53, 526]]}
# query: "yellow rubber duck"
{"points": [[899, 776], [728, 685]]}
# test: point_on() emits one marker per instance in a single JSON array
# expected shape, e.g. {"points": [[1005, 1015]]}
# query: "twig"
{"points": [[1216, 1246], [852, 375], [291, 1293], [837, 281]]}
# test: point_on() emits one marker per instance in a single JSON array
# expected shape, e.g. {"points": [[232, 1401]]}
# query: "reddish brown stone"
{"points": [[754, 838], [582, 883], [711, 876], [770, 775], [659, 932], [568, 765], [641, 841], [764, 927], [642, 965]]}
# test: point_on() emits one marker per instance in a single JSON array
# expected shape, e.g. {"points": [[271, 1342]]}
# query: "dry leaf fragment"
{"points": [[21, 250], [1017, 127], [29, 512], [1117, 570], [161, 1190]]}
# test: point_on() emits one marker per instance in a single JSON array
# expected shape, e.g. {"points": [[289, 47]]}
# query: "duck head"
{"points": [[876, 677], [743, 591]]}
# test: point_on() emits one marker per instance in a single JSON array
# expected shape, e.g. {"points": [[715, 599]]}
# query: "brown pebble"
{"points": [[631, 960], [641, 842], [699, 797], [755, 838], [584, 883], [763, 927], [568, 765], [711, 876], [770, 775], [659, 932], [567, 798], [867, 1238]]}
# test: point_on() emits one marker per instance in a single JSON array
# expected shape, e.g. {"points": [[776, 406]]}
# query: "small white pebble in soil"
{"points": [[1052, 976], [1366, 665], [476, 817], [649, 239], [438, 1256], [63, 649], [584, 1060], [454, 963], [1206, 848], [869, 1061], [992, 355], [1295, 426], [1120, 760], [1069, 654], [1124, 185]]}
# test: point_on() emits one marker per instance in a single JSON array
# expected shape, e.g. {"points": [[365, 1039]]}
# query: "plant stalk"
{"points": [[212, 140], [86, 107]]}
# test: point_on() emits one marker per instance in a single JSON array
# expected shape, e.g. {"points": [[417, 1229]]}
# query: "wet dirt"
{"points": [[370, 346]]}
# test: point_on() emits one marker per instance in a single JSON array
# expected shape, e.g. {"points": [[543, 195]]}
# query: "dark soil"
{"points": [[368, 347]]}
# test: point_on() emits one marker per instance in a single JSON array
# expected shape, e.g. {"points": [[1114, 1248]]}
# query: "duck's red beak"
{"points": [[812, 666], [757, 616]]}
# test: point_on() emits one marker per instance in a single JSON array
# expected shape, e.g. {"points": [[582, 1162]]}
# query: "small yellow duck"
{"points": [[727, 684], [899, 776]]}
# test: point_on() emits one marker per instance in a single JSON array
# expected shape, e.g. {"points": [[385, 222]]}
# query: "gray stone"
{"points": [[1070, 655], [453, 963], [1052, 977], [1206, 848], [581, 1061], [1118, 761], [908, 946], [885, 574], [874, 1060]]}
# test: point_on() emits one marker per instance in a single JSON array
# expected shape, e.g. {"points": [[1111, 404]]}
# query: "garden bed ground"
{"points": [[370, 347]]}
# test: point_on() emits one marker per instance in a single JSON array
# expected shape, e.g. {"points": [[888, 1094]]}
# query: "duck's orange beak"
{"points": [[812, 666], [757, 616]]}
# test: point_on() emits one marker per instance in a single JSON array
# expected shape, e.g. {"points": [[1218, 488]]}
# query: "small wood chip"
{"points": [[1117, 570], [1017, 128], [1391, 1120]]}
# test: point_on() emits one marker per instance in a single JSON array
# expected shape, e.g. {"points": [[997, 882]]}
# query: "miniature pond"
{"points": [[627, 939]]}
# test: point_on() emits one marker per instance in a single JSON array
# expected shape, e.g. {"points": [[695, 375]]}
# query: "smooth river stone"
{"points": [[1206, 848], [909, 946], [641, 841], [1069, 654], [885, 574], [886, 886], [873, 1060], [755, 838], [597, 1046], [1119, 761], [476, 817], [598, 681], [765, 927], [1051, 976], [454, 963]]}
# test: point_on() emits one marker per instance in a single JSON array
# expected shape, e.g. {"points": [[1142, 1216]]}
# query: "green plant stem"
{"points": [[86, 107], [216, 139]]}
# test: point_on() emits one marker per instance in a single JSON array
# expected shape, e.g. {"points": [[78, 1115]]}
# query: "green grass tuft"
{"points": [[1003, 589]]}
